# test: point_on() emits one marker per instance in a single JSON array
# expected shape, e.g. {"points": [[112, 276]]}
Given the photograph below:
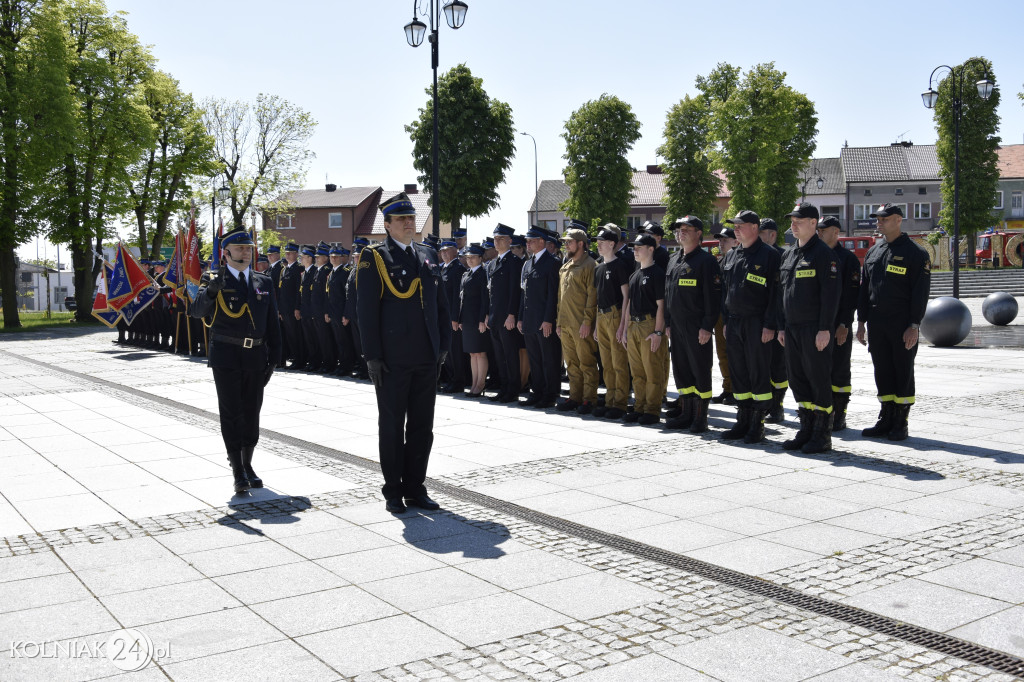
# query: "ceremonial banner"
{"points": [[145, 298], [172, 276], [190, 265], [127, 279], [215, 259], [100, 310]]}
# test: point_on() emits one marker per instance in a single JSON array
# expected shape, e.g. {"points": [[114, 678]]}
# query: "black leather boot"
{"points": [[884, 423], [898, 431], [742, 424], [238, 471], [777, 415], [254, 480], [755, 432], [685, 417], [821, 433], [803, 434], [700, 415], [840, 401]]}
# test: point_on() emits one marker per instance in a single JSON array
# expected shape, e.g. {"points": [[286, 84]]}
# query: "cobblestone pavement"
{"points": [[311, 579]]}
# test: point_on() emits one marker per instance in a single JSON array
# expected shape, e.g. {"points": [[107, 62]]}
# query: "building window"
{"points": [[1016, 200], [922, 211], [903, 207], [833, 212], [634, 222], [284, 222], [922, 190], [899, 191], [867, 192], [548, 224], [862, 211], [998, 201], [334, 220], [716, 218]]}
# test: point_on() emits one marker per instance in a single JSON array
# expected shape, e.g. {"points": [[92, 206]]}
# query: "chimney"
{"points": [[411, 189], [654, 170], [331, 187], [902, 143]]}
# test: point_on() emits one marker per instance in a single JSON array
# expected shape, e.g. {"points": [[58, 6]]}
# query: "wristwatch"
{"points": [[657, 333], [914, 325]]}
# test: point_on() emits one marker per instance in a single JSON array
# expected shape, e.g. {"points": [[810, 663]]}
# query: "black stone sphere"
{"points": [[999, 308], [947, 321]]}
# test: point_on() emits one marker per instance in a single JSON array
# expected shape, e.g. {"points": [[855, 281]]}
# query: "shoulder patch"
{"points": [[363, 264]]}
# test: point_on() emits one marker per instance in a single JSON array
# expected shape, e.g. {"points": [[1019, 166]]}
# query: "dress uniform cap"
{"points": [[238, 236], [432, 240], [291, 246], [487, 243], [449, 244], [262, 259], [768, 225], [645, 240], [804, 210], [652, 228], [551, 236], [337, 251], [887, 210], [745, 217], [503, 231], [274, 249], [322, 249], [307, 251], [473, 250], [144, 261], [829, 221], [536, 232], [575, 234], [459, 233], [690, 220], [397, 205], [577, 224], [518, 240], [160, 262]]}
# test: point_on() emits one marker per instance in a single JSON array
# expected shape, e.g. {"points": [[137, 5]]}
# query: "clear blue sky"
{"points": [[863, 65]]}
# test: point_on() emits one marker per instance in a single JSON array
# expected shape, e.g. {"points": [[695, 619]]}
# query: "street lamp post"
{"points": [[536, 183], [820, 183], [455, 15], [930, 97], [222, 193]]}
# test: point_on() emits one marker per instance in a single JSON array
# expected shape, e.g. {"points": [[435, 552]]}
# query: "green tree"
{"points": [[35, 124], [475, 142], [262, 149], [182, 149], [106, 74], [597, 137], [979, 142], [691, 184], [765, 130]]}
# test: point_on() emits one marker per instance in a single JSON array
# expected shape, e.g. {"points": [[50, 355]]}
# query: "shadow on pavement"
{"points": [[443, 532], [269, 511]]}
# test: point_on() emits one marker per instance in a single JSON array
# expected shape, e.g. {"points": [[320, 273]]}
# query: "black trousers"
{"points": [[358, 344], [691, 360], [310, 341], [346, 351], [810, 370], [292, 332], [894, 364], [405, 404], [545, 356], [325, 341], [506, 346], [455, 363], [239, 399], [779, 375], [841, 355], [749, 359]]}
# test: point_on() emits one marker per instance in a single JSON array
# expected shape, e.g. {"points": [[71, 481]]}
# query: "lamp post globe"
{"points": [[455, 13]]}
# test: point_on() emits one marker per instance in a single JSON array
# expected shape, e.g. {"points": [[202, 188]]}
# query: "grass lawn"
{"points": [[31, 321]]}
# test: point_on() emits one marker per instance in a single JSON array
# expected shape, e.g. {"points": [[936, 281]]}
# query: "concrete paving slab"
{"points": [[589, 595], [927, 604]]}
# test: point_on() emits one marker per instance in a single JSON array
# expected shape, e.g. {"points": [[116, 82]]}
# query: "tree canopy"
{"points": [[691, 184]]}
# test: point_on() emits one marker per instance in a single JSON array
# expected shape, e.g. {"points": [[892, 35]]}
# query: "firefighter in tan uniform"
{"points": [[577, 310]]}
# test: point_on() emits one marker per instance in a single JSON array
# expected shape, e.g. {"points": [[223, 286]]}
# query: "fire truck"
{"points": [[1004, 249]]}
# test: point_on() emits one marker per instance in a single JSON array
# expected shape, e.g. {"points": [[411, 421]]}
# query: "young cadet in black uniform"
{"points": [[693, 301], [769, 234], [324, 338], [893, 298], [406, 331], [451, 279], [289, 290], [504, 290], [539, 301], [309, 336], [810, 288], [660, 253], [239, 307], [351, 319], [646, 343], [750, 278], [612, 280], [337, 283], [849, 277]]}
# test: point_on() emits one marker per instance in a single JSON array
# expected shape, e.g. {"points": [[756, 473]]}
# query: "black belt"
{"points": [[236, 341], [640, 318], [605, 311]]}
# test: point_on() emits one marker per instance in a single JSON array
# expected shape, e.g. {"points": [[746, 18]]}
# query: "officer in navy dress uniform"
{"points": [[337, 282], [274, 271], [537, 313], [324, 337], [504, 289], [351, 319], [289, 290], [310, 339], [238, 306], [406, 332], [451, 278], [473, 306], [768, 232]]}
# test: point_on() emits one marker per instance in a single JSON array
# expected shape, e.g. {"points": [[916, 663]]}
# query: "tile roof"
{"points": [[892, 163], [648, 190], [550, 194], [343, 197], [1011, 161], [830, 170]]}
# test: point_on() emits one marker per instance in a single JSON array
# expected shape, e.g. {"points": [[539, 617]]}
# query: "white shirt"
{"points": [[243, 272]]}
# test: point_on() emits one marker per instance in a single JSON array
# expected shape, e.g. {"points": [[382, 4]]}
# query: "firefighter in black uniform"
{"points": [[239, 307], [274, 271], [769, 234], [504, 289], [406, 330], [288, 297], [324, 338], [810, 288], [337, 282], [308, 310], [451, 278], [693, 300], [536, 320], [351, 319], [750, 277], [893, 297], [849, 276]]}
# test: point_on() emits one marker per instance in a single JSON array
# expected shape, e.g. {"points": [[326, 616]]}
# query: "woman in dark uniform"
{"points": [[473, 308]]}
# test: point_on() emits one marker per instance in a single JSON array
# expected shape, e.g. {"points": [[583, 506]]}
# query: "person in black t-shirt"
{"points": [[647, 352], [612, 280]]}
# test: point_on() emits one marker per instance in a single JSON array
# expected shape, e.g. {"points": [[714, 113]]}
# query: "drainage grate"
{"points": [[914, 634]]}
